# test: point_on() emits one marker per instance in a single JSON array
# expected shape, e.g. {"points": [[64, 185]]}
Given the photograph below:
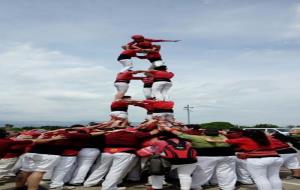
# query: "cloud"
{"points": [[40, 82]]}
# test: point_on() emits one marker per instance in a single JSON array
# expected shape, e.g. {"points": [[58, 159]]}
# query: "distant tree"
{"points": [[52, 127], [217, 125], [265, 126], [28, 128], [8, 126]]}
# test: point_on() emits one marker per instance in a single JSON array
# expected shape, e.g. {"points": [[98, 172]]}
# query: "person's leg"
{"points": [[119, 168], [257, 168], [184, 174], [157, 181], [156, 90], [34, 180], [147, 92], [61, 170], [225, 172], [165, 90], [242, 173], [6, 166], [122, 88], [100, 169], [127, 64], [273, 172], [22, 178], [204, 171], [86, 159], [291, 162]]}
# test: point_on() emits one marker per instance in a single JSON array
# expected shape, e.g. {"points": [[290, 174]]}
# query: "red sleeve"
{"points": [[155, 40], [236, 141], [171, 74]]}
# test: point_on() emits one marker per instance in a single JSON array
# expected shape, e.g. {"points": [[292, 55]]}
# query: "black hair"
{"points": [[124, 97], [161, 68], [3, 133], [194, 126], [258, 136], [211, 132], [76, 125]]}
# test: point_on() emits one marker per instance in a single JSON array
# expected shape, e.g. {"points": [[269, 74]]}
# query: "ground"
{"points": [[291, 184]]}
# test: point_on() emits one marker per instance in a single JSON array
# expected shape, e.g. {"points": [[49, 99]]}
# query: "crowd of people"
{"points": [[160, 148]]}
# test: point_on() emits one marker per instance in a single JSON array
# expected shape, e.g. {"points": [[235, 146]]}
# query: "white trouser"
{"points": [[34, 162], [242, 173], [147, 92], [160, 90], [6, 166], [114, 165], [61, 170], [184, 173], [86, 159], [290, 161], [224, 166], [265, 172], [121, 86], [127, 64], [120, 114]]}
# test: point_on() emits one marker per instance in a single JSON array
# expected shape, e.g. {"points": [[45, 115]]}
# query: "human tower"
{"points": [[156, 80]]}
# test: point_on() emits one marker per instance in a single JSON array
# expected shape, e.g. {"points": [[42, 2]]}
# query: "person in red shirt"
{"points": [[125, 58], [118, 155], [10, 150], [122, 82], [161, 82], [75, 140], [119, 108], [151, 54], [147, 105], [137, 39], [163, 109], [264, 168], [287, 153]]}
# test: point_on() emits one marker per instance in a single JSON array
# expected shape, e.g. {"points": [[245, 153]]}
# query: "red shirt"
{"points": [[277, 144], [125, 76], [18, 148], [161, 74], [7, 144], [167, 105], [146, 40], [246, 144], [73, 144], [124, 138], [153, 55], [119, 105], [147, 80], [129, 52], [147, 104]]}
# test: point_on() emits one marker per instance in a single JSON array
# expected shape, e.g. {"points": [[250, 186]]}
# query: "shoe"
{"points": [[56, 188], [292, 177], [197, 188], [74, 184], [68, 187], [121, 188]]}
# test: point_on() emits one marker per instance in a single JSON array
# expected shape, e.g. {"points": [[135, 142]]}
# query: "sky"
{"points": [[238, 61]]}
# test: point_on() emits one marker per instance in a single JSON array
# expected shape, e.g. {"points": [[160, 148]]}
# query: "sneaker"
{"points": [[56, 188], [291, 177], [68, 187], [121, 188], [74, 184]]}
